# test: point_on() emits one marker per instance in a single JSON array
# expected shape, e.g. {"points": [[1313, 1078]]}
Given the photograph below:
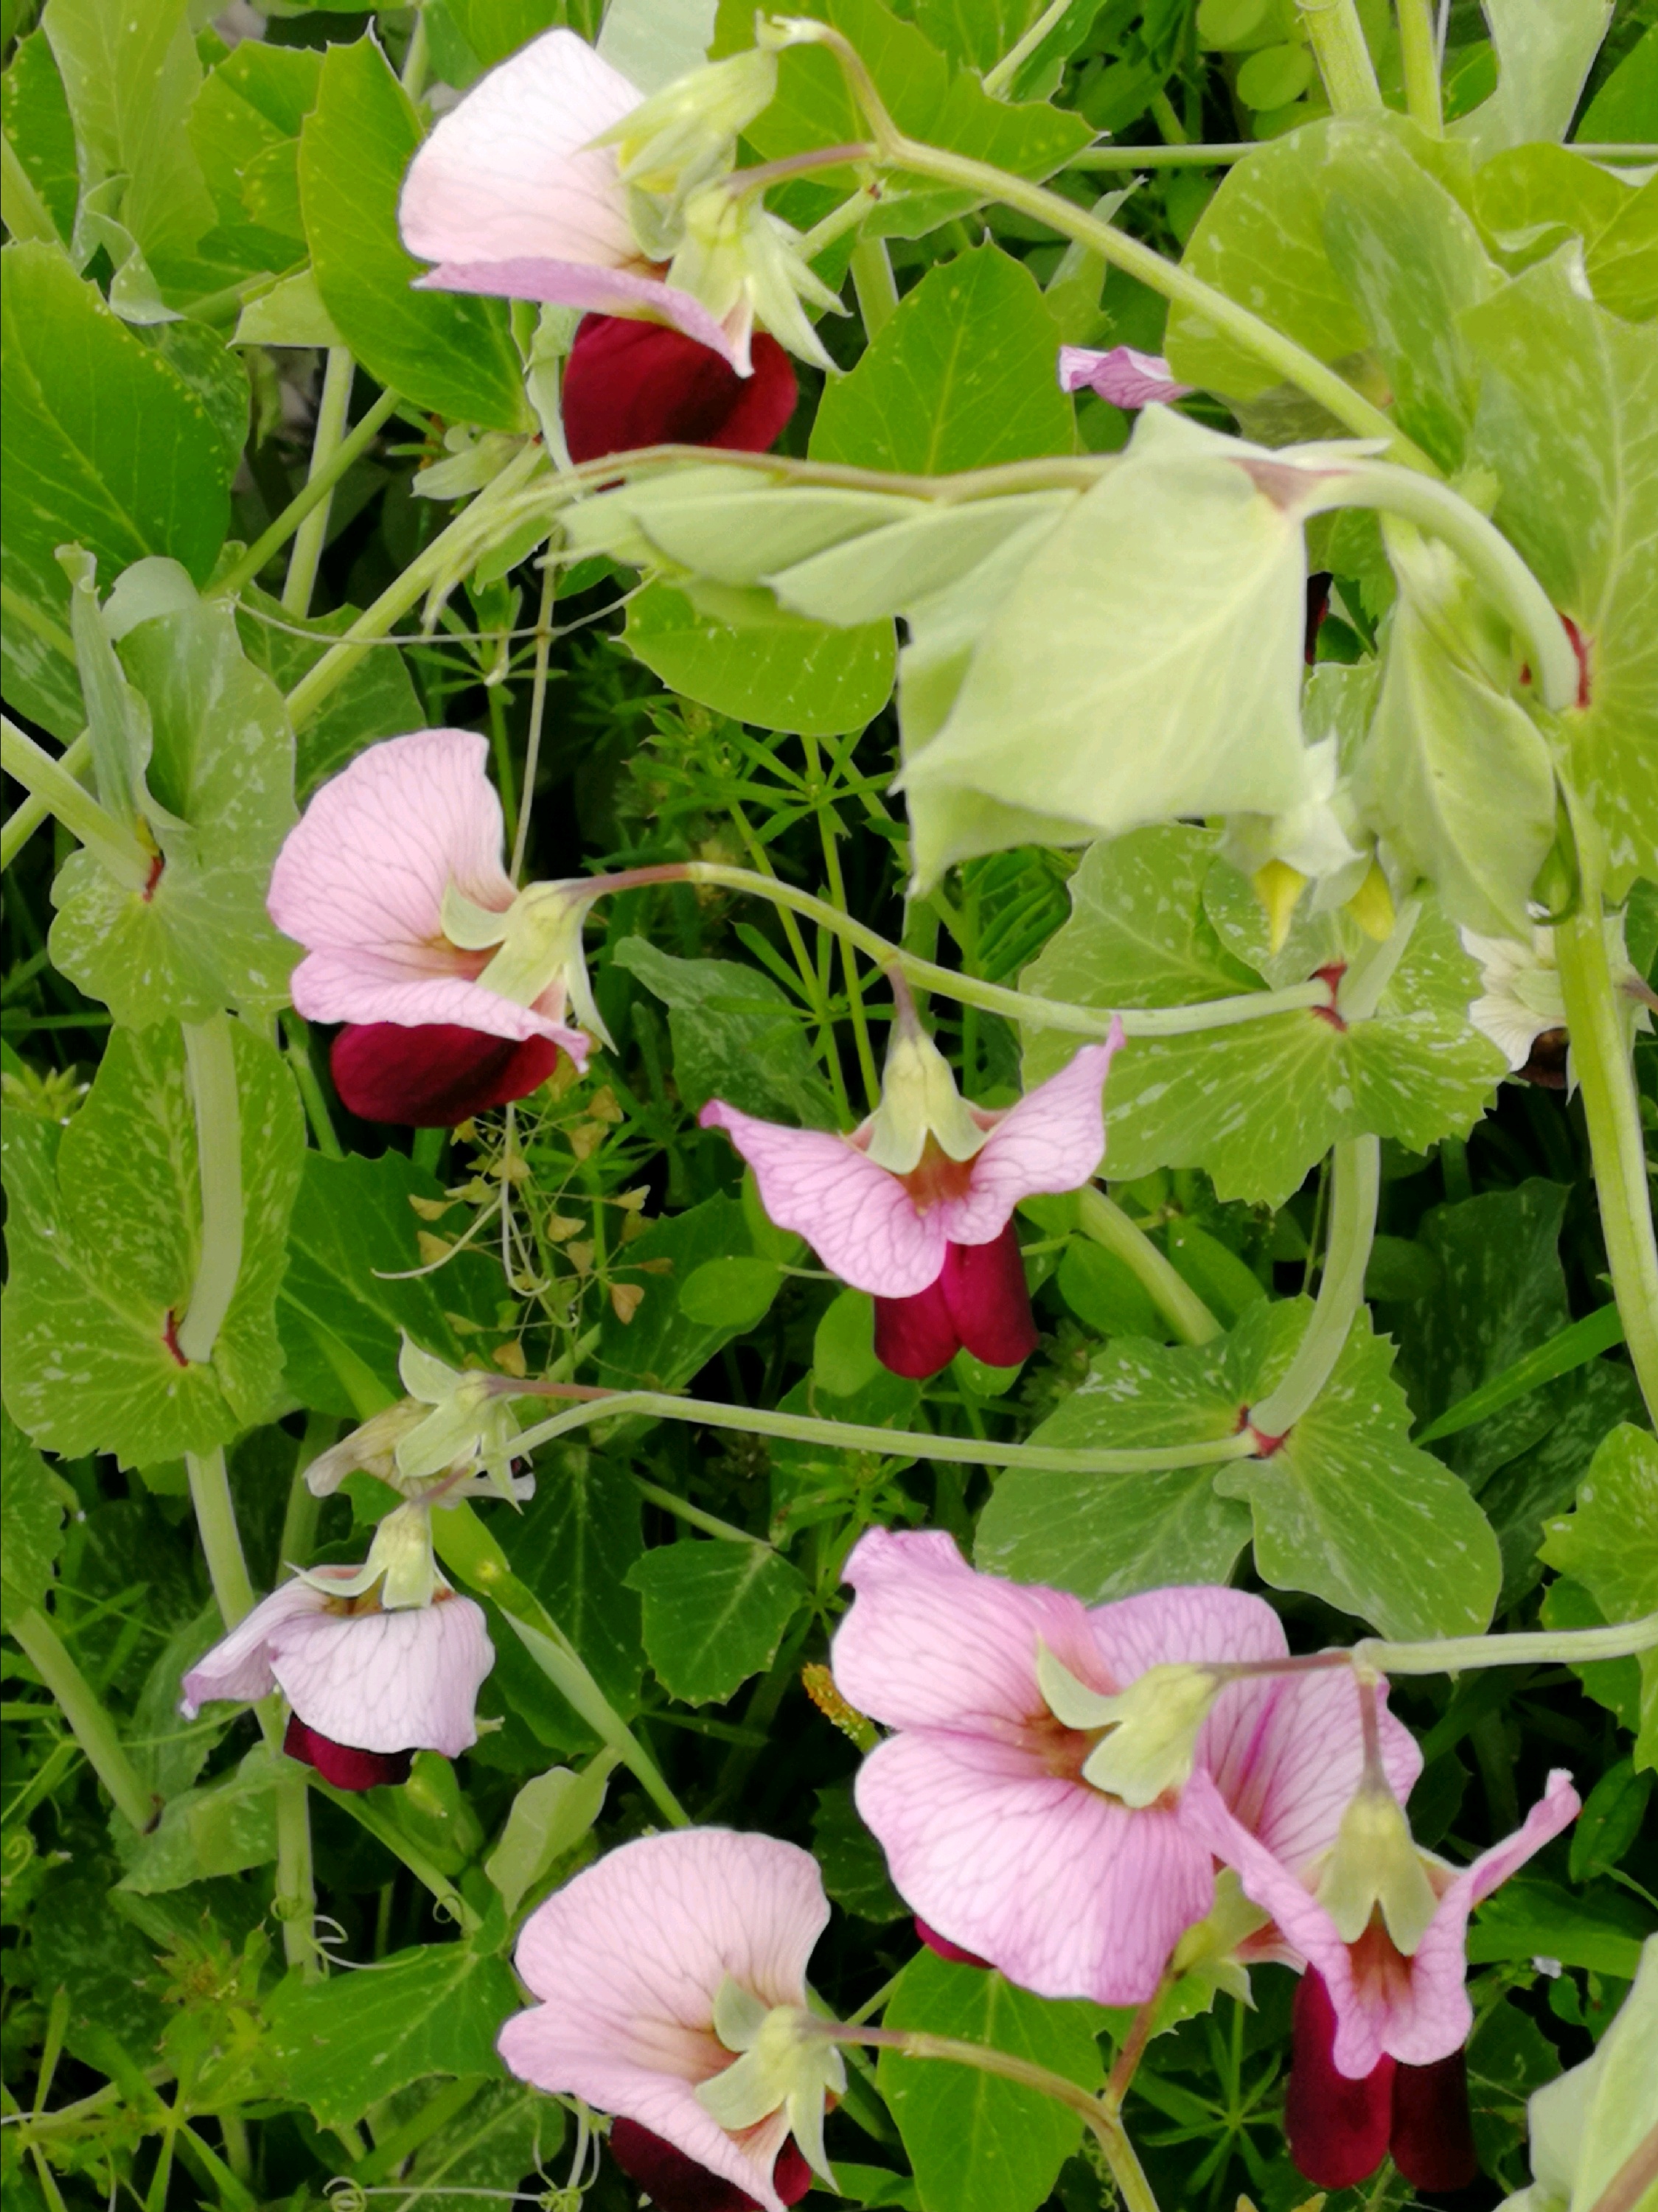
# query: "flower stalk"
{"points": [[1101, 1216], [1357, 1182], [318, 488], [210, 1062], [54, 789], [1418, 50], [1336, 38], [312, 533]]}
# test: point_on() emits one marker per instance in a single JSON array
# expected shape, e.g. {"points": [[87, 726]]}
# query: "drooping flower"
{"points": [[672, 1975], [629, 383], [454, 988], [916, 1206], [1382, 2014], [1522, 1009], [377, 1661], [452, 1437], [1126, 378], [993, 1832]]}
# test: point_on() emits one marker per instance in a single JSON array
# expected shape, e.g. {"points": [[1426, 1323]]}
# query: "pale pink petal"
{"points": [[238, 1665], [504, 175], [1067, 1891], [858, 1218], [1124, 377], [387, 1681], [597, 291], [367, 987], [1052, 1141], [366, 867], [1187, 1622], [1293, 1756], [930, 1643], [628, 1959]]}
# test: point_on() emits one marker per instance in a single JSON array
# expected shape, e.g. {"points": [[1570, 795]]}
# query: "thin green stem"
{"points": [[1601, 1062], [1000, 76], [212, 1069], [215, 1520], [312, 533], [296, 1051], [1359, 993], [829, 836], [90, 1724], [835, 224], [694, 1518], [1337, 37], [319, 486], [1356, 1181], [416, 58], [299, 1521], [788, 905], [1569, 1647], [1162, 113], [52, 789], [1105, 1221], [401, 1847], [27, 817], [1162, 157], [295, 1898], [538, 715], [872, 281], [1418, 50], [855, 1436]]}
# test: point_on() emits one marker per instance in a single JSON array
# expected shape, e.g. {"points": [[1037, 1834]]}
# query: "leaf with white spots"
{"points": [[31, 1520]]}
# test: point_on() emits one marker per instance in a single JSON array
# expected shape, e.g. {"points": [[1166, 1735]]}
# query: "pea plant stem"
{"points": [[88, 1721], [1418, 52], [25, 818], [1357, 1183], [872, 281], [312, 533], [52, 788], [1451, 1654], [210, 1062], [1101, 1218], [1336, 38], [215, 1520], [319, 488]]}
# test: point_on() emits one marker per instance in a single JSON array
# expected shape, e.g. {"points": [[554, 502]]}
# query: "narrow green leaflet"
{"points": [[104, 444], [437, 2009], [104, 1245], [550, 1815], [1543, 55], [31, 1521], [714, 1613], [736, 1034], [220, 775], [245, 128], [962, 377], [1529, 1917], [1609, 1544], [788, 674], [978, 2144], [1569, 421], [1348, 1508], [224, 1828], [445, 352], [35, 119], [576, 1548]]}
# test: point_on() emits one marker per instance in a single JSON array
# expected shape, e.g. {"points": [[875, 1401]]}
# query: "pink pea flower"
{"points": [[993, 1833], [393, 860], [916, 1206], [1126, 378], [368, 1688], [642, 1963], [1382, 2013]]}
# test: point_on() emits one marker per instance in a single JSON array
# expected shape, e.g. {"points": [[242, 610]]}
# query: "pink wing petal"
{"points": [[1126, 378], [367, 866], [1295, 1757], [930, 1643], [239, 1666], [597, 291], [336, 986], [857, 1217], [1052, 1141], [504, 174], [388, 1682], [629, 1958], [1065, 1890]]}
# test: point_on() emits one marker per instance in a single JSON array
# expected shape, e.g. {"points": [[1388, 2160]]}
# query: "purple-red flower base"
{"points": [[629, 383], [979, 1301], [674, 2183], [343, 1764], [1341, 2128], [436, 1075], [945, 1948]]}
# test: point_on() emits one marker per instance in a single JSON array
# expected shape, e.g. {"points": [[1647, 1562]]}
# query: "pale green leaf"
{"points": [[790, 675], [549, 1816], [31, 1520], [1609, 1544], [1543, 55], [224, 1828], [714, 1613], [652, 42], [35, 118]]}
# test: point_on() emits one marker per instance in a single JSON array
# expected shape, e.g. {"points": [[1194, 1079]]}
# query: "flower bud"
{"points": [[685, 136], [372, 1449], [744, 265], [784, 2064], [1150, 1730], [472, 1423], [1375, 1865]]}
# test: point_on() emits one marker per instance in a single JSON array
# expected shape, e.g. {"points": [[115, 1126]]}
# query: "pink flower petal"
{"points": [[628, 1959], [238, 1665], [597, 291], [511, 173], [858, 1218], [366, 868], [387, 1681], [1295, 1756], [1052, 1141], [1124, 377], [363, 987]]}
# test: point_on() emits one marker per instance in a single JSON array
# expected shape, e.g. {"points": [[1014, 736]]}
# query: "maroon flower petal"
{"points": [[674, 2183], [917, 1336], [1433, 2135], [985, 1287], [436, 1075], [1338, 2128], [343, 1764], [629, 383], [945, 1948]]}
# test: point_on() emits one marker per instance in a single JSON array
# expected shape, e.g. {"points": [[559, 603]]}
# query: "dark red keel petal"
{"points": [[1433, 2135], [629, 383], [436, 1075], [916, 1336], [984, 1285], [945, 1948], [1338, 2128], [343, 1764], [674, 2183]]}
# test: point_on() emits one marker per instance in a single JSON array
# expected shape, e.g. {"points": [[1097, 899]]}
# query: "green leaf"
{"points": [[35, 119], [1258, 1104], [1104, 1292], [198, 937], [652, 42], [505, 2132], [735, 1293], [736, 1034], [450, 353], [791, 674], [662, 1347], [978, 2144], [225, 1828], [104, 1245], [1621, 112], [245, 129], [1610, 1821], [376, 700], [1609, 1544], [854, 1868], [1543, 55], [550, 1815], [1508, 2056], [1348, 1508], [1524, 1495], [31, 1521], [1568, 422], [974, 33], [843, 1346], [106, 446], [1622, 263], [109, 1968], [1528, 201], [341, 2046], [576, 1548], [715, 1612], [1528, 1919], [962, 377]]}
